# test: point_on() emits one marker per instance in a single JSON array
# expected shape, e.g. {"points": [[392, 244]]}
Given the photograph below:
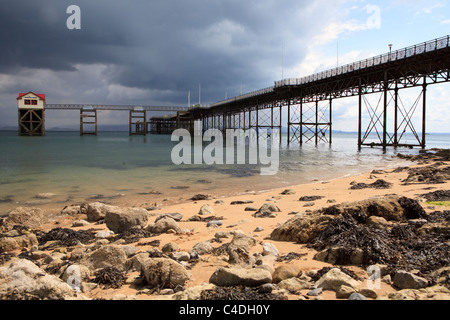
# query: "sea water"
{"points": [[113, 165]]}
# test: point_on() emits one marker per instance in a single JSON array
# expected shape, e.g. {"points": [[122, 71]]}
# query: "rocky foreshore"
{"points": [[387, 238]]}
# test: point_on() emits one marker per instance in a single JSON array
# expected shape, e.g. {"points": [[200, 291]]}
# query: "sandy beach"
{"points": [[235, 218]]}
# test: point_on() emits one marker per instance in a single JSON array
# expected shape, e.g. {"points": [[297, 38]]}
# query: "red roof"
{"points": [[41, 96]]}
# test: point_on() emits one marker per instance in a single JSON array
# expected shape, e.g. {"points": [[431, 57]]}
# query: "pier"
{"points": [[309, 102]]}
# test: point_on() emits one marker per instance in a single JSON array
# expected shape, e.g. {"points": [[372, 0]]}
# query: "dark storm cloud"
{"points": [[159, 45]]}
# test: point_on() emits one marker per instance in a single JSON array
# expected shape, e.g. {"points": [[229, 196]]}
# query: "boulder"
{"points": [[240, 256], [236, 276], [243, 241], [105, 256], [71, 210], [28, 217], [431, 293], [164, 225], [96, 211], [203, 247], [357, 296], [23, 280], [206, 210], [193, 293], [164, 273], [302, 228], [120, 220], [175, 216], [406, 280], [334, 279], [285, 271], [8, 244], [391, 208], [341, 256], [294, 284], [269, 248], [267, 210]]}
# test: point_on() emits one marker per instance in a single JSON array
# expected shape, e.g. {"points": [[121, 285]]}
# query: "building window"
{"points": [[27, 102], [34, 102]]}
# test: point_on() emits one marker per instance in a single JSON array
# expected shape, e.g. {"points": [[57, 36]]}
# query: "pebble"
{"points": [[356, 296], [214, 224], [315, 292]]}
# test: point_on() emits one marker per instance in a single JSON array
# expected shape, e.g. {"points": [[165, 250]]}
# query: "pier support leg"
{"points": [[31, 122], [88, 117]]}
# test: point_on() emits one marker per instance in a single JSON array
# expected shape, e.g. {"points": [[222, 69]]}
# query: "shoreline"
{"points": [[236, 218]]}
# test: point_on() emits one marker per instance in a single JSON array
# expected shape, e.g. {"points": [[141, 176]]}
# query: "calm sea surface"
{"points": [[114, 166]]}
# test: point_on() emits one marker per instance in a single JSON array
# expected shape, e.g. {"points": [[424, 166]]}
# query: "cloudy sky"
{"points": [[141, 52]]}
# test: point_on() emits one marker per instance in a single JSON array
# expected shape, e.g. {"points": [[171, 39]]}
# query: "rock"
{"points": [[164, 273], [76, 270], [266, 262], [206, 210], [175, 216], [315, 292], [310, 198], [269, 248], [406, 280], [80, 223], [391, 208], [181, 256], [28, 217], [164, 225], [96, 211], [239, 256], [285, 271], [170, 247], [356, 296], [121, 220], [104, 234], [214, 224], [220, 202], [258, 229], [288, 192], [411, 208], [243, 241], [337, 255], [251, 209], [135, 263], [344, 292], [23, 280], [130, 250], [265, 288], [8, 244], [200, 197], [376, 221], [105, 256], [71, 210], [223, 235], [193, 293], [265, 214], [333, 279], [369, 293], [236, 276], [234, 203], [309, 204], [294, 284], [302, 228], [202, 248], [269, 207], [431, 293]]}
